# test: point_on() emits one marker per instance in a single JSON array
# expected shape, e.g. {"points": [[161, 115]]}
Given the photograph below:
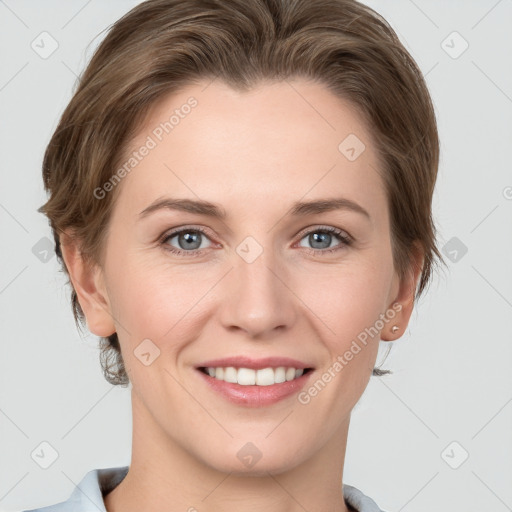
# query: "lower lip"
{"points": [[256, 396]]}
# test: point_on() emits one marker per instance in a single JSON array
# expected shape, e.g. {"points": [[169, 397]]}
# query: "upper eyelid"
{"points": [[319, 227], [173, 232]]}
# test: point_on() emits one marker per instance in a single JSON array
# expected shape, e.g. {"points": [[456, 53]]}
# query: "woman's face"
{"points": [[263, 276]]}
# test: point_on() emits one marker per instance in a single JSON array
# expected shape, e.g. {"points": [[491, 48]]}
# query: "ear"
{"points": [[405, 295], [89, 284]]}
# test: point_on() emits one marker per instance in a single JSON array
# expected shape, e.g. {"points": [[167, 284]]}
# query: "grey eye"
{"points": [[187, 239]]}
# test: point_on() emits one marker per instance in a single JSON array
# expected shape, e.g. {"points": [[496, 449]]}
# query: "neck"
{"points": [[165, 476]]}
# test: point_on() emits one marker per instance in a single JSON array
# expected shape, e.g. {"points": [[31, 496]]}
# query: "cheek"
{"points": [[348, 299], [348, 305], [153, 309], [157, 301]]}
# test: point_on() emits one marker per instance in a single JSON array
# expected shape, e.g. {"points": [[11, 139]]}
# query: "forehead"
{"points": [[278, 140]]}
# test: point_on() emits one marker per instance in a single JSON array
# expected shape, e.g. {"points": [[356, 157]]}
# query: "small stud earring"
{"points": [[394, 328]]}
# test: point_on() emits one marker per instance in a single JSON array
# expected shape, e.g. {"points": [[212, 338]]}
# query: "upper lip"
{"points": [[255, 364]]}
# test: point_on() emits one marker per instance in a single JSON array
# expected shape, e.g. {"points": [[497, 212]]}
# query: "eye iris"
{"points": [[315, 237], [191, 238]]}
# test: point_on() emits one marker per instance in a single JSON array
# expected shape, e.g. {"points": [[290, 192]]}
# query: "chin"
{"points": [[246, 459]]}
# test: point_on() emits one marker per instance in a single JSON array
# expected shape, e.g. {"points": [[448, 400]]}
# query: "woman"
{"points": [[240, 193]]}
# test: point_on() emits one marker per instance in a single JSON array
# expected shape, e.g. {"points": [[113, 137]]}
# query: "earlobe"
{"points": [[405, 297], [89, 285]]}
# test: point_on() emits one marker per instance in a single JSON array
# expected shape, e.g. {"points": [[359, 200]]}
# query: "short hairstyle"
{"points": [[161, 46]]}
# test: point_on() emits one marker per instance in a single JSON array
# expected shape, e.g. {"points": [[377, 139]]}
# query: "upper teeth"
{"points": [[250, 377]]}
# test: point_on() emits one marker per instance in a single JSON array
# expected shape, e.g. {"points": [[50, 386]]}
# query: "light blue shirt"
{"points": [[88, 494]]}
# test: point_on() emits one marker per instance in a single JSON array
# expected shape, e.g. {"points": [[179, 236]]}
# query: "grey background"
{"points": [[452, 380]]}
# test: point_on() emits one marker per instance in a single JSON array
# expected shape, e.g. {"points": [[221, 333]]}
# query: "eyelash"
{"points": [[346, 241]]}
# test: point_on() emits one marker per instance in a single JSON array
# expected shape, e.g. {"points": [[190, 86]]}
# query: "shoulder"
{"points": [[359, 501], [88, 494]]}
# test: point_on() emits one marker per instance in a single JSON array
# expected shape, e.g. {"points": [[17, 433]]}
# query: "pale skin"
{"points": [[254, 154]]}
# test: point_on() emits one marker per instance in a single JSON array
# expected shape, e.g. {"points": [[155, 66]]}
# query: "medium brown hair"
{"points": [[161, 46]]}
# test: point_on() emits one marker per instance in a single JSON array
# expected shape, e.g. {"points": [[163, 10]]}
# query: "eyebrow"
{"points": [[298, 209]]}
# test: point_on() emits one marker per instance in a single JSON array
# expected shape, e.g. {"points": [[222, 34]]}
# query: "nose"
{"points": [[257, 297]]}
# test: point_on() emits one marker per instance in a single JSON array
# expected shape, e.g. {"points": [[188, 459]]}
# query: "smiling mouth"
{"points": [[250, 377]]}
